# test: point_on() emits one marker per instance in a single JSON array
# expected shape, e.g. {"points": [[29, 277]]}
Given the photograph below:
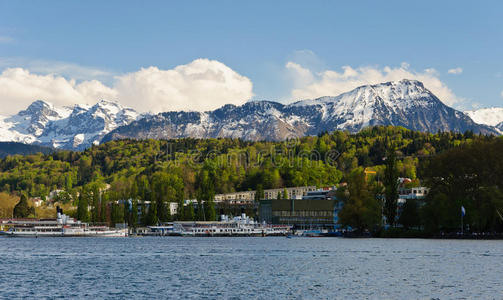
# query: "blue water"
{"points": [[250, 268]]}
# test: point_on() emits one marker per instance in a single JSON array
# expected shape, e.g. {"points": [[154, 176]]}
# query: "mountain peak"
{"points": [[404, 103], [491, 116], [37, 107], [71, 128]]}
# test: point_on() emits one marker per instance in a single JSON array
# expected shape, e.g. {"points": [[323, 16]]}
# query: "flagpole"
{"points": [[462, 227], [462, 215]]}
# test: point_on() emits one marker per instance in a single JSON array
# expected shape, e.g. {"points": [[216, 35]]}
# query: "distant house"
{"points": [[245, 197], [53, 194], [37, 202], [418, 193], [173, 208]]}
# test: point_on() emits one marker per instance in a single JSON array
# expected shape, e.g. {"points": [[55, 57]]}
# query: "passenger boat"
{"points": [[62, 226], [238, 226]]}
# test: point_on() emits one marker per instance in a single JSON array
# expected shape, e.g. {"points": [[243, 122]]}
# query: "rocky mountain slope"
{"points": [[402, 103], [68, 128]]}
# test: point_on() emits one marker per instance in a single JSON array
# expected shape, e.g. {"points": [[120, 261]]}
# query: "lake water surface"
{"points": [[250, 268]]}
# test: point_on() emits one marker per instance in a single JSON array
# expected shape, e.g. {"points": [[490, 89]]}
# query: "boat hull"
{"points": [[113, 233]]}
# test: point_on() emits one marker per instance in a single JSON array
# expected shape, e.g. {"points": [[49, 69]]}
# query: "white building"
{"points": [[249, 196], [413, 193]]}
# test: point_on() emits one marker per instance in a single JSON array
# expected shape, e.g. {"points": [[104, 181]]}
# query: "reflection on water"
{"points": [[263, 268]]}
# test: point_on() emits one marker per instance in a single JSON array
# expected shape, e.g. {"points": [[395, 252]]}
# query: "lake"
{"points": [[250, 268]]}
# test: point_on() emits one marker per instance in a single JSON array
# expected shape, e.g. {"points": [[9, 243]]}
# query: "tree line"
{"points": [[116, 178]]}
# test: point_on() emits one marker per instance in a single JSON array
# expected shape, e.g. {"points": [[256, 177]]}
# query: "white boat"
{"points": [[62, 226], [238, 226]]}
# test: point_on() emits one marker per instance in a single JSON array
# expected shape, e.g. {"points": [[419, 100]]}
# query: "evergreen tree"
{"points": [[189, 212], [285, 194], [22, 209], [82, 206], [68, 183], [391, 187], [209, 210], [134, 213], [169, 217], [180, 211], [152, 211], [143, 215], [409, 217], [259, 194], [95, 209], [103, 210], [162, 210], [200, 211], [361, 209], [117, 215]]}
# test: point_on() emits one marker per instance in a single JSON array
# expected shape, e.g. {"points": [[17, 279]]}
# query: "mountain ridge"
{"points": [[76, 127], [404, 103]]}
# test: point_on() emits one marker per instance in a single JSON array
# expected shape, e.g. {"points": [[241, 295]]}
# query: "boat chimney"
{"points": [[59, 218]]}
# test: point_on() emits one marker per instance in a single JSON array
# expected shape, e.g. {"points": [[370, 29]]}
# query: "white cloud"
{"points": [[310, 85], [19, 88], [200, 85], [455, 71]]}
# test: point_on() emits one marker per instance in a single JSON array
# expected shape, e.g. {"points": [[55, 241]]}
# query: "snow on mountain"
{"points": [[489, 116], [69, 128], [404, 103]]}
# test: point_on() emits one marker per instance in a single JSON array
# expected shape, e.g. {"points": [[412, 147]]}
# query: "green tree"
{"points": [[391, 187], [143, 216], [409, 217], [103, 210], [152, 211], [206, 190], [22, 209], [200, 216], [285, 194], [180, 211], [82, 206], [361, 210], [259, 193], [209, 210], [68, 183], [117, 214], [85, 169], [134, 213], [95, 208], [189, 212]]}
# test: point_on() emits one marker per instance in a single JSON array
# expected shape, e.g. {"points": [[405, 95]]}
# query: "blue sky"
{"points": [[104, 39]]}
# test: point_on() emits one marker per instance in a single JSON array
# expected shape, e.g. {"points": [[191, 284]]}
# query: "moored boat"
{"points": [[238, 226], [62, 226]]}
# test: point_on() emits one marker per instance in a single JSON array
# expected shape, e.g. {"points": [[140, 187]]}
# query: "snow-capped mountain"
{"points": [[404, 103], [401, 103], [492, 116], [68, 128]]}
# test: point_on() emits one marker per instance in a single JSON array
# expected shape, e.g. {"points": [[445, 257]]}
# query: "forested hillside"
{"points": [[171, 170], [12, 148]]}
